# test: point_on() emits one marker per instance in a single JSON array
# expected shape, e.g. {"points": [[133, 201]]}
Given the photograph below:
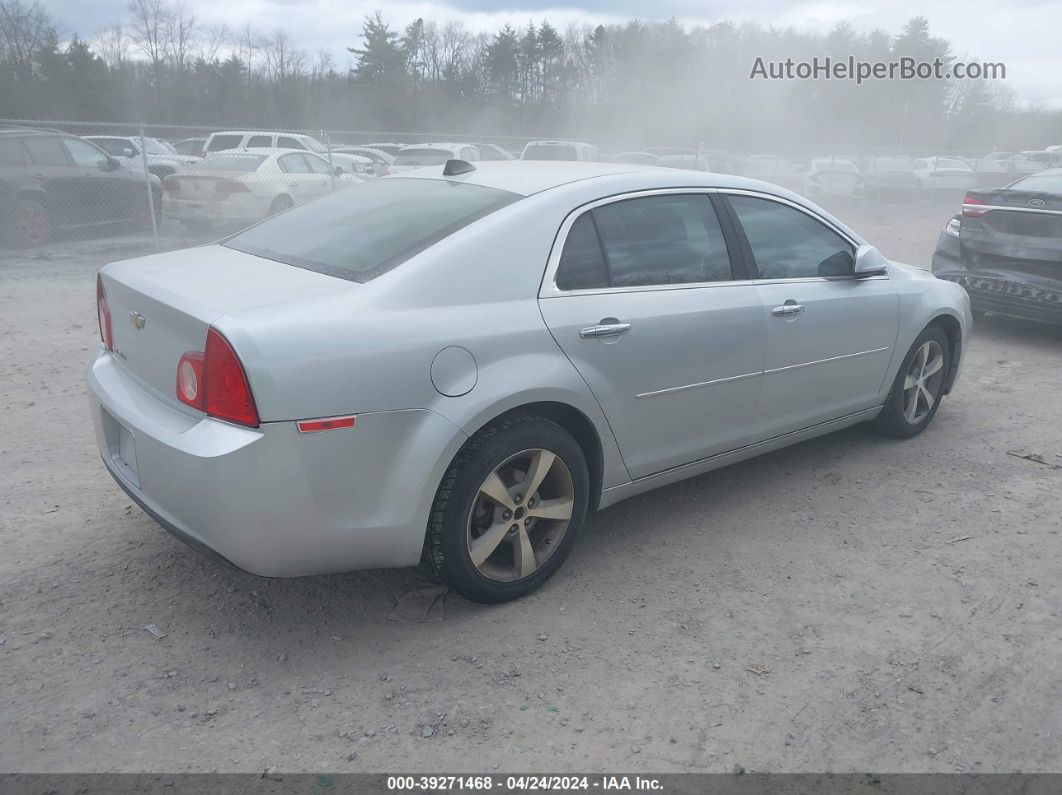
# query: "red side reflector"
{"points": [[327, 424]]}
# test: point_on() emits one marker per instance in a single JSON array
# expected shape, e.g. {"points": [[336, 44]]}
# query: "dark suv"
{"points": [[51, 181]]}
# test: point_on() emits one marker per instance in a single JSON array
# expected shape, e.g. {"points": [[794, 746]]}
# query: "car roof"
{"points": [[526, 177], [12, 131], [438, 145]]}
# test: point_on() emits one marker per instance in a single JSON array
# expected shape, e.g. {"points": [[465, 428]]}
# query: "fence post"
{"points": [[150, 190], [331, 168]]}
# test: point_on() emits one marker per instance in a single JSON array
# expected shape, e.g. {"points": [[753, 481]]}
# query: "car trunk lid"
{"points": [[162, 306], [1021, 230]]}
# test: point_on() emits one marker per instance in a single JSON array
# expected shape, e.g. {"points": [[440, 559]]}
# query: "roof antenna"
{"points": [[455, 167]]}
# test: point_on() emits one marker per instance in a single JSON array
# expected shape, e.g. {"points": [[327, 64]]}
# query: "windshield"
{"points": [[549, 152], [423, 157], [230, 162], [363, 231]]}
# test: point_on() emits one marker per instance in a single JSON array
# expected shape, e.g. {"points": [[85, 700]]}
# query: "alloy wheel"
{"points": [[520, 515], [921, 386]]}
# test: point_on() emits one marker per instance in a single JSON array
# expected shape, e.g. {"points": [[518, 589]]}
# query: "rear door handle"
{"points": [[604, 330], [787, 310]]}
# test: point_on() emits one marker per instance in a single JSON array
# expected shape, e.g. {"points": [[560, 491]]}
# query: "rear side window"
{"points": [[367, 229], [220, 142], [650, 241], [11, 154], [46, 151], [789, 244]]}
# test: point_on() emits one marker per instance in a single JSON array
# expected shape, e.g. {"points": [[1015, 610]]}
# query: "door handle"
{"points": [[604, 330], [787, 310]]}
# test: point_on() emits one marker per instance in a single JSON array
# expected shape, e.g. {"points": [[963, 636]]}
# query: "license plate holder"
{"points": [[121, 447]]}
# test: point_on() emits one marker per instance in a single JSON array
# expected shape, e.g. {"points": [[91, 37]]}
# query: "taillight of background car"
{"points": [[970, 205], [171, 185], [213, 381]]}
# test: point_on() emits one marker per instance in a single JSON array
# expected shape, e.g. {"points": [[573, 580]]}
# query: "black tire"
{"points": [[447, 538], [892, 421], [280, 204], [31, 224]]}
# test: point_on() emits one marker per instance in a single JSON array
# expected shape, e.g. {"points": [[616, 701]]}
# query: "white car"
{"points": [[561, 150], [247, 185], [943, 173], [358, 166], [492, 152], [774, 169], [433, 154], [831, 176], [381, 160], [162, 160], [262, 139]]}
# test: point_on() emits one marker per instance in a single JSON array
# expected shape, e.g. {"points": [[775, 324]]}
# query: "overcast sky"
{"points": [[1023, 34]]}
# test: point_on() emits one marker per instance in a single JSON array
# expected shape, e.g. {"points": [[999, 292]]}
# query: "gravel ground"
{"points": [[847, 604]]}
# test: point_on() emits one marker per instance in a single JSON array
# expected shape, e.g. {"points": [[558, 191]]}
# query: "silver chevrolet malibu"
{"points": [[458, 363]]}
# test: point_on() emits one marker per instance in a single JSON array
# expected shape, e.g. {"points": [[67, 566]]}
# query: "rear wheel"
{"points": [[509, 509], [32, 224], [919, 386], [280, 204]]}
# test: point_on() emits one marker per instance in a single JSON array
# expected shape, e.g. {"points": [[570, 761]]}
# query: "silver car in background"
{"points": [[459, 362]]}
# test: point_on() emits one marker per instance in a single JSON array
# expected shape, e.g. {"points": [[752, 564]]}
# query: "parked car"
{"points": [[261, 139], [774, 169], [339, 388], [560, 150], [390, 147], [492, 152], [357, 166], [1005, 248], [161, 160], [381, 160], [635, 158], [246, 185], [678, 157], [1014, 164], [1044, 159], [420, 155], [191, 147], [831, 176], [943, 173], [50, 181], [888, 176]]}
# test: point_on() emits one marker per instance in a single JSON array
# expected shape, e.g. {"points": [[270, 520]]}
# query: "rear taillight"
{"points": [[103, 314], [230, 186], [171, 185], [214, 382], [971, 205]]}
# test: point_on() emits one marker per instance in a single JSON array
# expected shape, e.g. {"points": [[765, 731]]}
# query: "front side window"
{"points": [[789, 244], [118, 147], [286, 142], [293, 164], [260, 141], [221, 142], [317, 165], [84, 154], [645, 242]]}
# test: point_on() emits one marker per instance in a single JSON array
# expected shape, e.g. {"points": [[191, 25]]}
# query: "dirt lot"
{"points": [[847, 604]]}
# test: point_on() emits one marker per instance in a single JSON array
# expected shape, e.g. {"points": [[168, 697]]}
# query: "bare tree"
{"points": [[151, 21], [112, 44], [180, 29], [23, 31]]}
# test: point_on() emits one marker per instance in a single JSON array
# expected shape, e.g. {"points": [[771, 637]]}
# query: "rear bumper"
{"points": [[244, 207], [1000, 292], [271, 500]]}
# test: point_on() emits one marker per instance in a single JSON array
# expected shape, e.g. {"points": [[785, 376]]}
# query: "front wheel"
{"points": [[508, 509], [919, 386]]}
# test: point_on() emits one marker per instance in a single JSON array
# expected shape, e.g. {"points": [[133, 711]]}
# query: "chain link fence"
{"points": [[62, 179]]}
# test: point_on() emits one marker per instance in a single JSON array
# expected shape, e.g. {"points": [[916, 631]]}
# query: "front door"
{"points": [[829, 335], [644, 302]]}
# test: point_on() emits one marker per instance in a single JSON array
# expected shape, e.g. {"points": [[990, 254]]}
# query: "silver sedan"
{"points": [[458, 363]]}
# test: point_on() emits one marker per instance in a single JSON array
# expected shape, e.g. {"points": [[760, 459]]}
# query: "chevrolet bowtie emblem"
{"points": [[137, 320]]}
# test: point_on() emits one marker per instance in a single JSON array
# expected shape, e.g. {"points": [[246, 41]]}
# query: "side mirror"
{"points": [[869, 262], [110, 164]]}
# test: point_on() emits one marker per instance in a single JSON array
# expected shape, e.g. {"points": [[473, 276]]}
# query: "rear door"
{"points": [[829, 335], [642, 296], [110, 193], [299, 181]]}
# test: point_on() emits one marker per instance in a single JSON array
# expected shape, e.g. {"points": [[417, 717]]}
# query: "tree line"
{"points": [[622, 85]]}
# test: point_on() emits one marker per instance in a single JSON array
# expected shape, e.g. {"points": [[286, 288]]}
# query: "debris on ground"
{"points": [[158, 633], [423, 604]]}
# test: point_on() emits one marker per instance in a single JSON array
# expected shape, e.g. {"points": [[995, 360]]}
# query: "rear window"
{"points": [[220, 142], [549, 152], [423, 157], [232, 162], [367, 229], [1043, 183]]}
